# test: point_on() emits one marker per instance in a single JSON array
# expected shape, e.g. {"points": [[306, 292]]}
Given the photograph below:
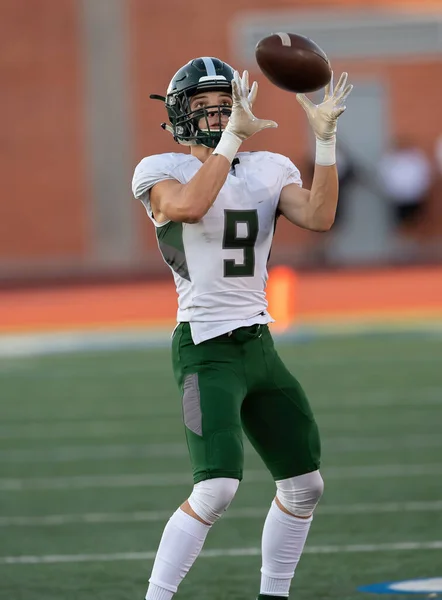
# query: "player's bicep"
{"points": [[172, 202], [294, 204], [162, 196]]}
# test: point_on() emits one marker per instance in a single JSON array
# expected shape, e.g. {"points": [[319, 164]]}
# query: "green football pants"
{"points": [[237, 383]]}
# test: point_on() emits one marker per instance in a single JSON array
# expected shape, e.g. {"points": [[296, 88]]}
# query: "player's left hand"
{"points": [[323, 117]]}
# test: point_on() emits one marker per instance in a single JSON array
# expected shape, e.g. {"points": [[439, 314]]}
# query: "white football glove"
{"points": [[323, 117], [242, 121]]}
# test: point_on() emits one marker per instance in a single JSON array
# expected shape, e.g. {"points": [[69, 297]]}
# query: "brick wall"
{"points": [[43, 208], [45, 193]]}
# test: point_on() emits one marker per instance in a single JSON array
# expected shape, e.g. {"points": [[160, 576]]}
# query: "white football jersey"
{"points": [[220, 263]]}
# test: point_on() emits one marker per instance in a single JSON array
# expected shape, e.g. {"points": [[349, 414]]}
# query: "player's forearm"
{"points": [[323, 199], [323, 120], [198, 195]]}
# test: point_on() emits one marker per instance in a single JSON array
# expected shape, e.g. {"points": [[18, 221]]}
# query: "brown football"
{"points": [[293, 62]]}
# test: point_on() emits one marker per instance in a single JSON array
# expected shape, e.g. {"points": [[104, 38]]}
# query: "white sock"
{"points": [[283, 540], [181, 542]]}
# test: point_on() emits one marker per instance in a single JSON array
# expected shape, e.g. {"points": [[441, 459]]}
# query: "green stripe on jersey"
{"points": [[170, 242]]}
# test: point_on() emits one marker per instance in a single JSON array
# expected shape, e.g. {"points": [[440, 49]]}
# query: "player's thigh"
{"points": [[279, 422], [212, 394]]}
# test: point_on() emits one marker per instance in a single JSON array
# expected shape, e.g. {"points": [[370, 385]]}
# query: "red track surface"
{"points": [[398, 293]]}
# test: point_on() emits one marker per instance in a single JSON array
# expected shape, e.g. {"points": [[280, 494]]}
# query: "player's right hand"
{"points": [[242, 121]]}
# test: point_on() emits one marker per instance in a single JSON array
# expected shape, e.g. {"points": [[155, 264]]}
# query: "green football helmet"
{"points": [[198, 75]]}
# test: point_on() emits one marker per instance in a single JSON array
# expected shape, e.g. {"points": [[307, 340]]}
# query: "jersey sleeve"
{"points": [[292, 174], [148, 172]]}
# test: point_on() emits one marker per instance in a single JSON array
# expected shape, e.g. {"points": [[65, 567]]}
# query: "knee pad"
{"points": [[300, 495], [211, 497]]}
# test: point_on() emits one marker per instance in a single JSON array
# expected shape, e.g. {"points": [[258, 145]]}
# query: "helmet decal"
{"points": [[210, 67]]}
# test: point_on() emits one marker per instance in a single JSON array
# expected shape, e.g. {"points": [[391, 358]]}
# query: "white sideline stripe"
{"points": [[41, 344], [216, 553], [61, 454], [177, 479], [238, 513]]}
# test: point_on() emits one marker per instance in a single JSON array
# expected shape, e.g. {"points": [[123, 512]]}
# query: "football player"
{"points": [[214, 210]]}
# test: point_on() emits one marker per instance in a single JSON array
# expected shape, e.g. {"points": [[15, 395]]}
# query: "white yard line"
{"points": [[44, 370], [334, 445], [62, 454], [378, 443], [363, 400], [349, 397], [178, 479], [93, 429], [238, 513], [354, 417], [217, 553]]}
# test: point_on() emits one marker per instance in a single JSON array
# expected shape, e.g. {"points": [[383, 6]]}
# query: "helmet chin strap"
{"points": [[182, 142], [168, 128], [188, 142], [208, 131]]}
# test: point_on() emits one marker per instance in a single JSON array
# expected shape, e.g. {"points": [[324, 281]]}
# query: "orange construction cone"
{"points": [[281, 295]]}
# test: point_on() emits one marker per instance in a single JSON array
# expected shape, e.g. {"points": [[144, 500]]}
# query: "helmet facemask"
{"points": [[192, 127]]}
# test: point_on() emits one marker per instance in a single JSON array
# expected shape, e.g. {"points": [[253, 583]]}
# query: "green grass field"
{"points": [[93, 460]]}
